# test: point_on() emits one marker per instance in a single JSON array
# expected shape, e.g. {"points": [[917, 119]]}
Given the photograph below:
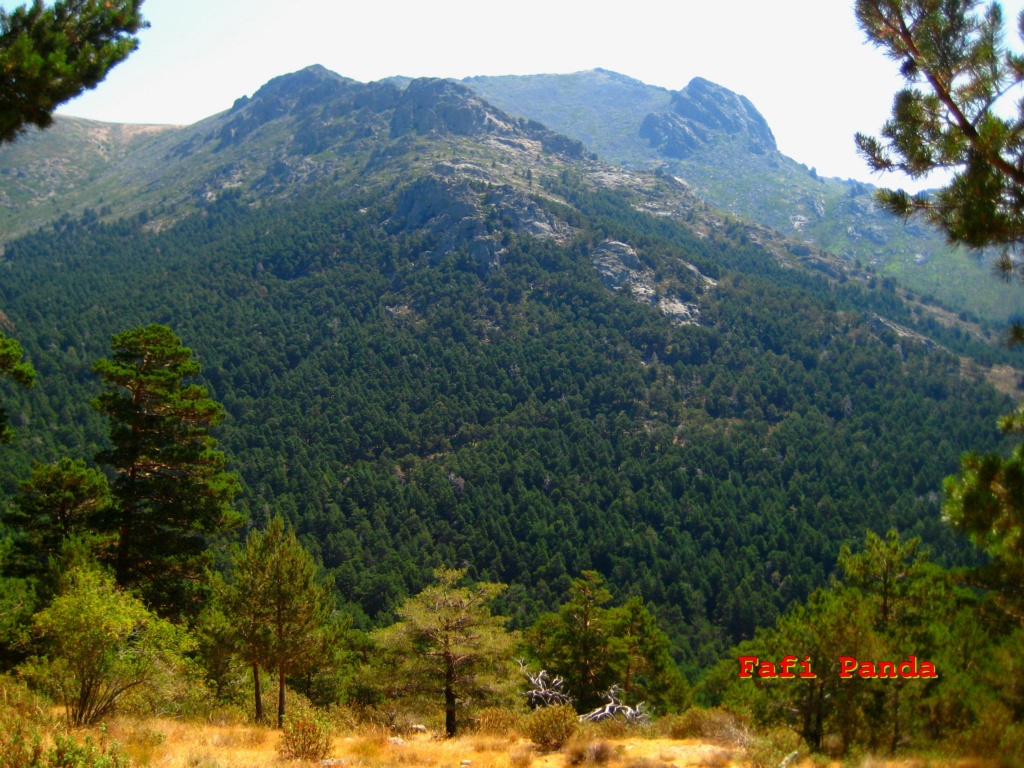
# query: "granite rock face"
{"points": [[620, 269], [701, 111], [464, 212]]}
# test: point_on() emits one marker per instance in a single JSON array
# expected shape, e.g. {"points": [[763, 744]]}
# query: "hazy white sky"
{"points": [[803, 63]]}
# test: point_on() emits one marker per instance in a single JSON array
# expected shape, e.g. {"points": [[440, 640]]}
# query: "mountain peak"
{"points": [[700, 112]]}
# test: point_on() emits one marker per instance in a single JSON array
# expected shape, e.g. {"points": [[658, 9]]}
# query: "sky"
{"points": [[803, 63]]}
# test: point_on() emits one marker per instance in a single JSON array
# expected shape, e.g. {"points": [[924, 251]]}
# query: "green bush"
{"points": [[103, 645], [68, 753], [770, 749], [551, 727], [21, 746], [305, 737]]}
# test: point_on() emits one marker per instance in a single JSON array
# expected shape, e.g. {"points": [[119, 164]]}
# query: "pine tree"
{"points": [[986, 503], [171, 493], [50, 55], [448, 643], [281, 612], [950, 116], [595, 647], [13, 368], [58, 501], [574, 642]]}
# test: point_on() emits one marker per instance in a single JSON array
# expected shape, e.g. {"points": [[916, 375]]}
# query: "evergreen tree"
{"points": [[641, 659], [574, 642], [171, 493], [950, 116], [50, 55], [448, 643], [58, 501], [594, 647], [280, 613], [13, 368], [889, 571], [986, 503]]}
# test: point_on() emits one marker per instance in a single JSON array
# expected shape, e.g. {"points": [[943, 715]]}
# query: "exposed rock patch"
{"points": [[465, 212], [621, 269]]}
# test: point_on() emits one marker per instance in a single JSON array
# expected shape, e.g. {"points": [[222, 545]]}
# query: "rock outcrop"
{"points": [[466, 213], [701, 111], [621, 269]]}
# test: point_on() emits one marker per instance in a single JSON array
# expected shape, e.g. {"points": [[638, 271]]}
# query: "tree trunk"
{"points": [[449, 711], [895, 740], [280, 696], [258, 692]]}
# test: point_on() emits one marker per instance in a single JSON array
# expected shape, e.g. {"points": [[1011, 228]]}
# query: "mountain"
{"points": [[445, 335], [717, 142]]}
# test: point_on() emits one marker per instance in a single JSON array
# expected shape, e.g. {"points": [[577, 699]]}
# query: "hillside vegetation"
{"points": [[468, 369]]}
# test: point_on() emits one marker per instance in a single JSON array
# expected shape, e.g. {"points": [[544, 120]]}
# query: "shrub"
{"points": [[593, 752], [305, 737], [600, 752], [551, 727], [20, 705], [103, 645], [20, 746], [499, 721], [770, 749], [68, 753], [715, 725]]}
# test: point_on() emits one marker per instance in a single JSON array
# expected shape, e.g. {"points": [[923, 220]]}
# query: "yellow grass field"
{"points": [[165, 743]]}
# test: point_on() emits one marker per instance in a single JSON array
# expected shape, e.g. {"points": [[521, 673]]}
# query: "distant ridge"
{"points": [[717, 142]]}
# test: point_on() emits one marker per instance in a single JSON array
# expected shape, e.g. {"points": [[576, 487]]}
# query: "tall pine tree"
{"points": [[171, 493]]}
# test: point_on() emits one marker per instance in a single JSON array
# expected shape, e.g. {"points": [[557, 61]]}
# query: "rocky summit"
{"points": [[701, 111]]}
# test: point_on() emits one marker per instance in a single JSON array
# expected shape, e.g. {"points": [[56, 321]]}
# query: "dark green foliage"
{"points": [[279, 612], [172, 495], [49, 55], [958, 69], [986, 503], [59, 501], [403, 413], [594, 646], [13, 368], [574, 642]]}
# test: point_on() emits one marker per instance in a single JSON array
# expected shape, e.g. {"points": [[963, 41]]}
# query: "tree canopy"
{"points": [[952, 115], [49, 55], [449, 644], [170, 489], [12, 367]]}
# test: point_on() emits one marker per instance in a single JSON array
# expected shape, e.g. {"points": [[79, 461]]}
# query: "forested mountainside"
{"points": [[716, 141], [446, 336]]}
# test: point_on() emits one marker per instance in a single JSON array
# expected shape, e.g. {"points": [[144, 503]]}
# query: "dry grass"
{"points": [[160, 743]]}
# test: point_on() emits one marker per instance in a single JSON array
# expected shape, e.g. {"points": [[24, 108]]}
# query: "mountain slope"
{"points": [[717, 142], [447, 336]]}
